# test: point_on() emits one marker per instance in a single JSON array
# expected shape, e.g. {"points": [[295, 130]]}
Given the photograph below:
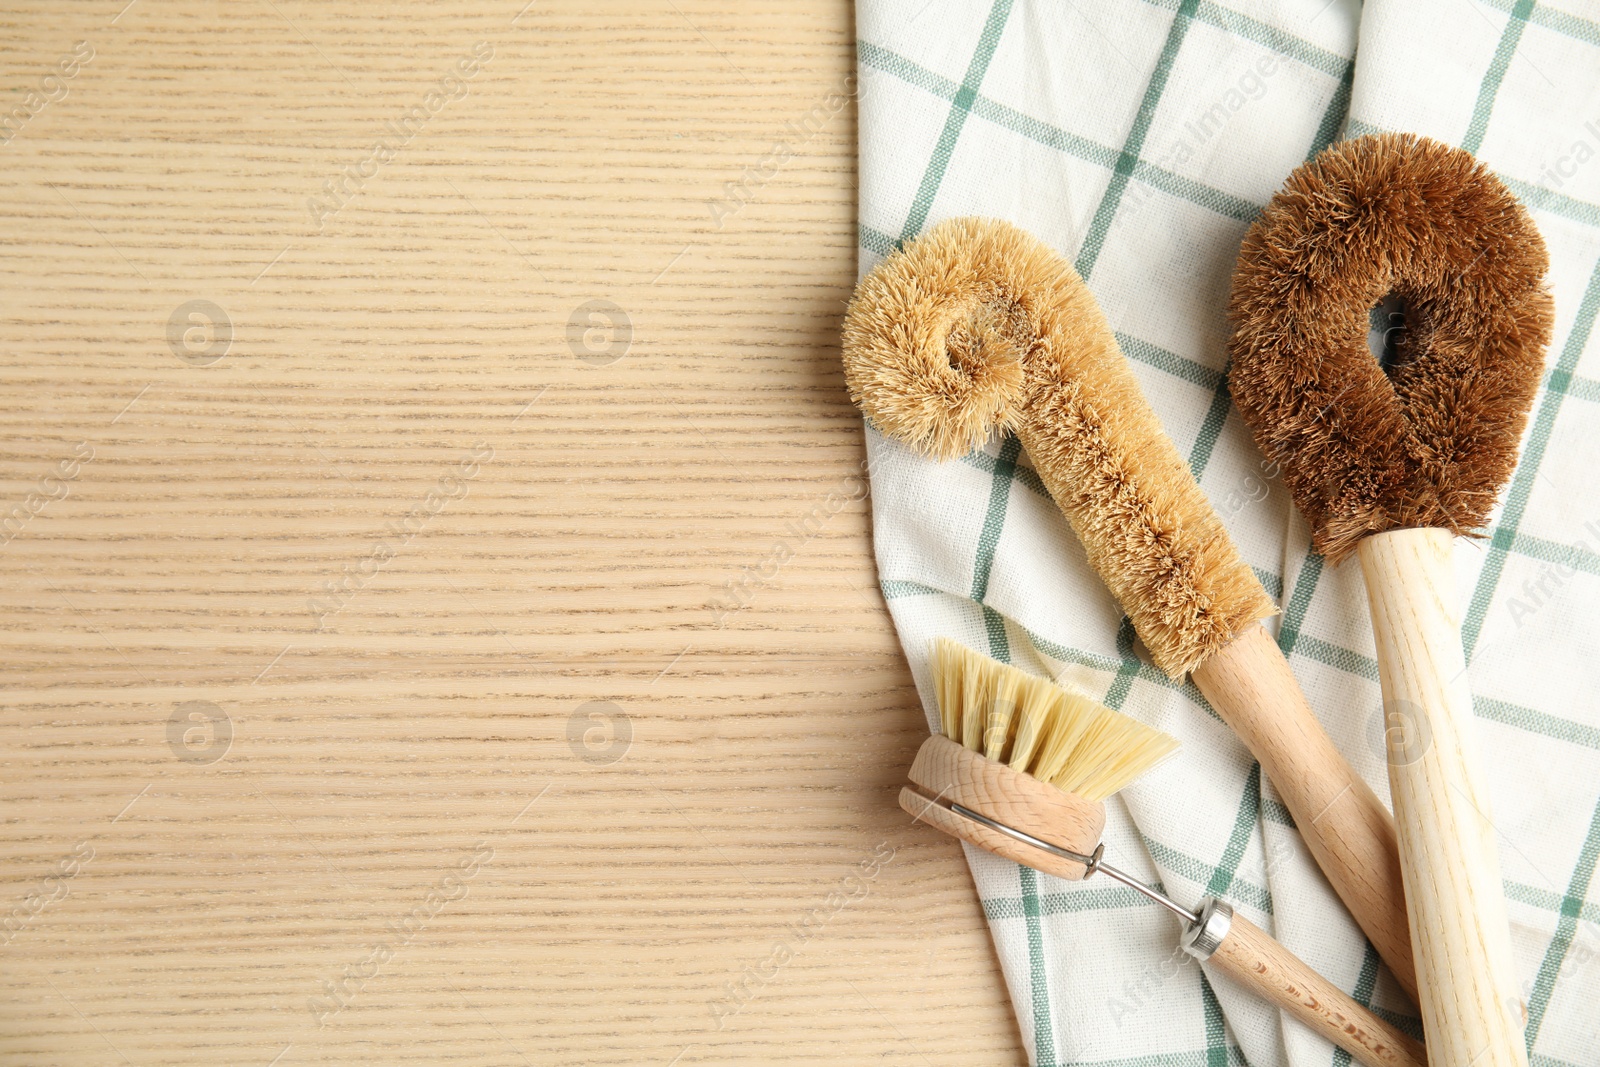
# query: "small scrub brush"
{"points": [[1022, 768]]}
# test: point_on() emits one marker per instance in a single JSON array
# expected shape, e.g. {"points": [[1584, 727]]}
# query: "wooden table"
{"points": [[391, 395]]}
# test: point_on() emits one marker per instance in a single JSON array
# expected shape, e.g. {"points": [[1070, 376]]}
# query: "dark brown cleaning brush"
{"points": [[1391, 463]]}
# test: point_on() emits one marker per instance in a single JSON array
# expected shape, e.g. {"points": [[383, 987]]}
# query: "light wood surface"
{"points": [[944, 770], [219, 798], [1251, 957], [1471, 1011], [1342, 821]]}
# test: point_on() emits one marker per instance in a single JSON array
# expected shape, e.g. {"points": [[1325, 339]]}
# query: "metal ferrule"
{"points": [[1202, 939]]}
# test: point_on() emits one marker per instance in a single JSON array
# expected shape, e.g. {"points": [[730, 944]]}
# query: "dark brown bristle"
{"points": [[1430, 443]]}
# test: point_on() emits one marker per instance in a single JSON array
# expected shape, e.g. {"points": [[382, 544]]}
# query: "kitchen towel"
{"points": [[1140, 138]]}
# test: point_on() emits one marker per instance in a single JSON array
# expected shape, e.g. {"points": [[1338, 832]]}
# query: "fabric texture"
{"points": [[1140, 138]]}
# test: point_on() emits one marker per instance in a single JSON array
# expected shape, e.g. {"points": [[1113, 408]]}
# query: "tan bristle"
{"points": [[978, 326], [1039, 728]]}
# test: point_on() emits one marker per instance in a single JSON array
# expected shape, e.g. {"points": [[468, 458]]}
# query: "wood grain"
{"points": [[1344, 824], [1249, 956], [1472, 1012], [227, 788], [946, 771]]}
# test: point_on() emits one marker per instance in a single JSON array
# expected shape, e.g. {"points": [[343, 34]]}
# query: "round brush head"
{"points": [[936, 337], [1027, 753], [1429, 440]]}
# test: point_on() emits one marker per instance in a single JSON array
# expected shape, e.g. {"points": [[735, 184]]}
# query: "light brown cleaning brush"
{"points": [[977, 326], [1391, 464], [1022, 768]]}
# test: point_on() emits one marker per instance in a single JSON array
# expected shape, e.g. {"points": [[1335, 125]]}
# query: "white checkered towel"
{"points": [[1140, 137]]}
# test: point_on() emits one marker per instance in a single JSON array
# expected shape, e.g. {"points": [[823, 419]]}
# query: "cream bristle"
{"points": [[1039, 728], [1034, 718]]}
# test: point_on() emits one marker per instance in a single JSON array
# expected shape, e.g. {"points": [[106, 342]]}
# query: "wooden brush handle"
{"points": [[1344, 824], [1471, 1012], [1253, 959]]}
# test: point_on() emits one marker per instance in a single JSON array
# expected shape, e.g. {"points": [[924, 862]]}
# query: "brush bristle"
{"points": [[1039, 728], [1430, 443], [932, 353], [978, 325]]}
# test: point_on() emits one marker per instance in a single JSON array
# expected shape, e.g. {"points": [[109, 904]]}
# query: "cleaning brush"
{"points": [[1391, 463], [1022, 768], [978, 326]]}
